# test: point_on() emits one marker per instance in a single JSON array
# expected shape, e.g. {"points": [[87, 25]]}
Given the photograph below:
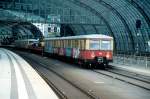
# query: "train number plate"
{"points": [[100, 59]]}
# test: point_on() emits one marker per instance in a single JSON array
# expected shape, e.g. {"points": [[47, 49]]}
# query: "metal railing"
{"points": [[142, 62]]}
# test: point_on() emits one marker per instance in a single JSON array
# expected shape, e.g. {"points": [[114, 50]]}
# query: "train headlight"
{"points": [[107, 56], [93, 54], [100, 53]]}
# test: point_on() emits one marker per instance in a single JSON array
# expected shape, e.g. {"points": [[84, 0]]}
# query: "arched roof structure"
{"points": [[111, 17]]}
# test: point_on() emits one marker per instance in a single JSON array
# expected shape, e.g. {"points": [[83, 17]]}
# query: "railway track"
{"points": [[46, 63], [52, 85], [127, 78], [89, 94], [132, 75]]}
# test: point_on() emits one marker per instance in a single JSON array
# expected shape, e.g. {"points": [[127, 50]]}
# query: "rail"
{"points": [[136, 81], [86, 92], [56, 90]]}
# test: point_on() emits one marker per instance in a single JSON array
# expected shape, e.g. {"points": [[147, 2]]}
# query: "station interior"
{"points": [[74, 49]]}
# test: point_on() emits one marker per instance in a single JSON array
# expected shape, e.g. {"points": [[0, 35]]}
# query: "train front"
{"points": [[99, 51]]}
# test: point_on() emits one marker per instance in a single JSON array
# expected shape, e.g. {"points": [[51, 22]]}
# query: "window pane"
{"points": [[106, 45], [94, 45]]}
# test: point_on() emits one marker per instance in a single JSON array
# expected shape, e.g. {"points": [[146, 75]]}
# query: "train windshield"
{"points": [[94, 44], [106, 45], [100, 45]]}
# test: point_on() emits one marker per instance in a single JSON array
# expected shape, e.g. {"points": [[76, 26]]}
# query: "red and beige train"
{"points": [[86, 50]]}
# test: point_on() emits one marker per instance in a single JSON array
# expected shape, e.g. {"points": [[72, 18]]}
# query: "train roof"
{"points": [[28, 40], [90, 36]]}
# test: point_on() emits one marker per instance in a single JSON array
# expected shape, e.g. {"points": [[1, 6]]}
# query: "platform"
{"points": [[139, 65], [18, 80]]}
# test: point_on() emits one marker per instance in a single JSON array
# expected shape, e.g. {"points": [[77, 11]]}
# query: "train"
{"points": [[32, 45], [87, 50], [25, 43]]}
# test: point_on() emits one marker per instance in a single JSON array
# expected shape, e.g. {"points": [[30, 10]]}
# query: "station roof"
{"points": [[116, 18]]}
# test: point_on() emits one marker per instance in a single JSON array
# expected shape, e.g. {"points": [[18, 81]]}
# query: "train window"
{"points": [[105, 45], [64, 43], [82, 44], [55, 43], [69, 43], [76, 44], [79, 44], [86, 44], [73, 43], [59, 43], [94, 45]]}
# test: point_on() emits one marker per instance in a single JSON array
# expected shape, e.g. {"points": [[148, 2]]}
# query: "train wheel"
{"points": [[79, 63], [105, 65], [95, 66], [89, 66], [84, 65]]}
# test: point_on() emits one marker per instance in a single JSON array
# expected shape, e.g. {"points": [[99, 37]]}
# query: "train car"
{"points": [[87, 50], [37, 47], [25, 43]]}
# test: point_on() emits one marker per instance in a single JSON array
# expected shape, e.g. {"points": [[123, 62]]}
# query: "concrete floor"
{"points": [[18, 80], [102, 86]]}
